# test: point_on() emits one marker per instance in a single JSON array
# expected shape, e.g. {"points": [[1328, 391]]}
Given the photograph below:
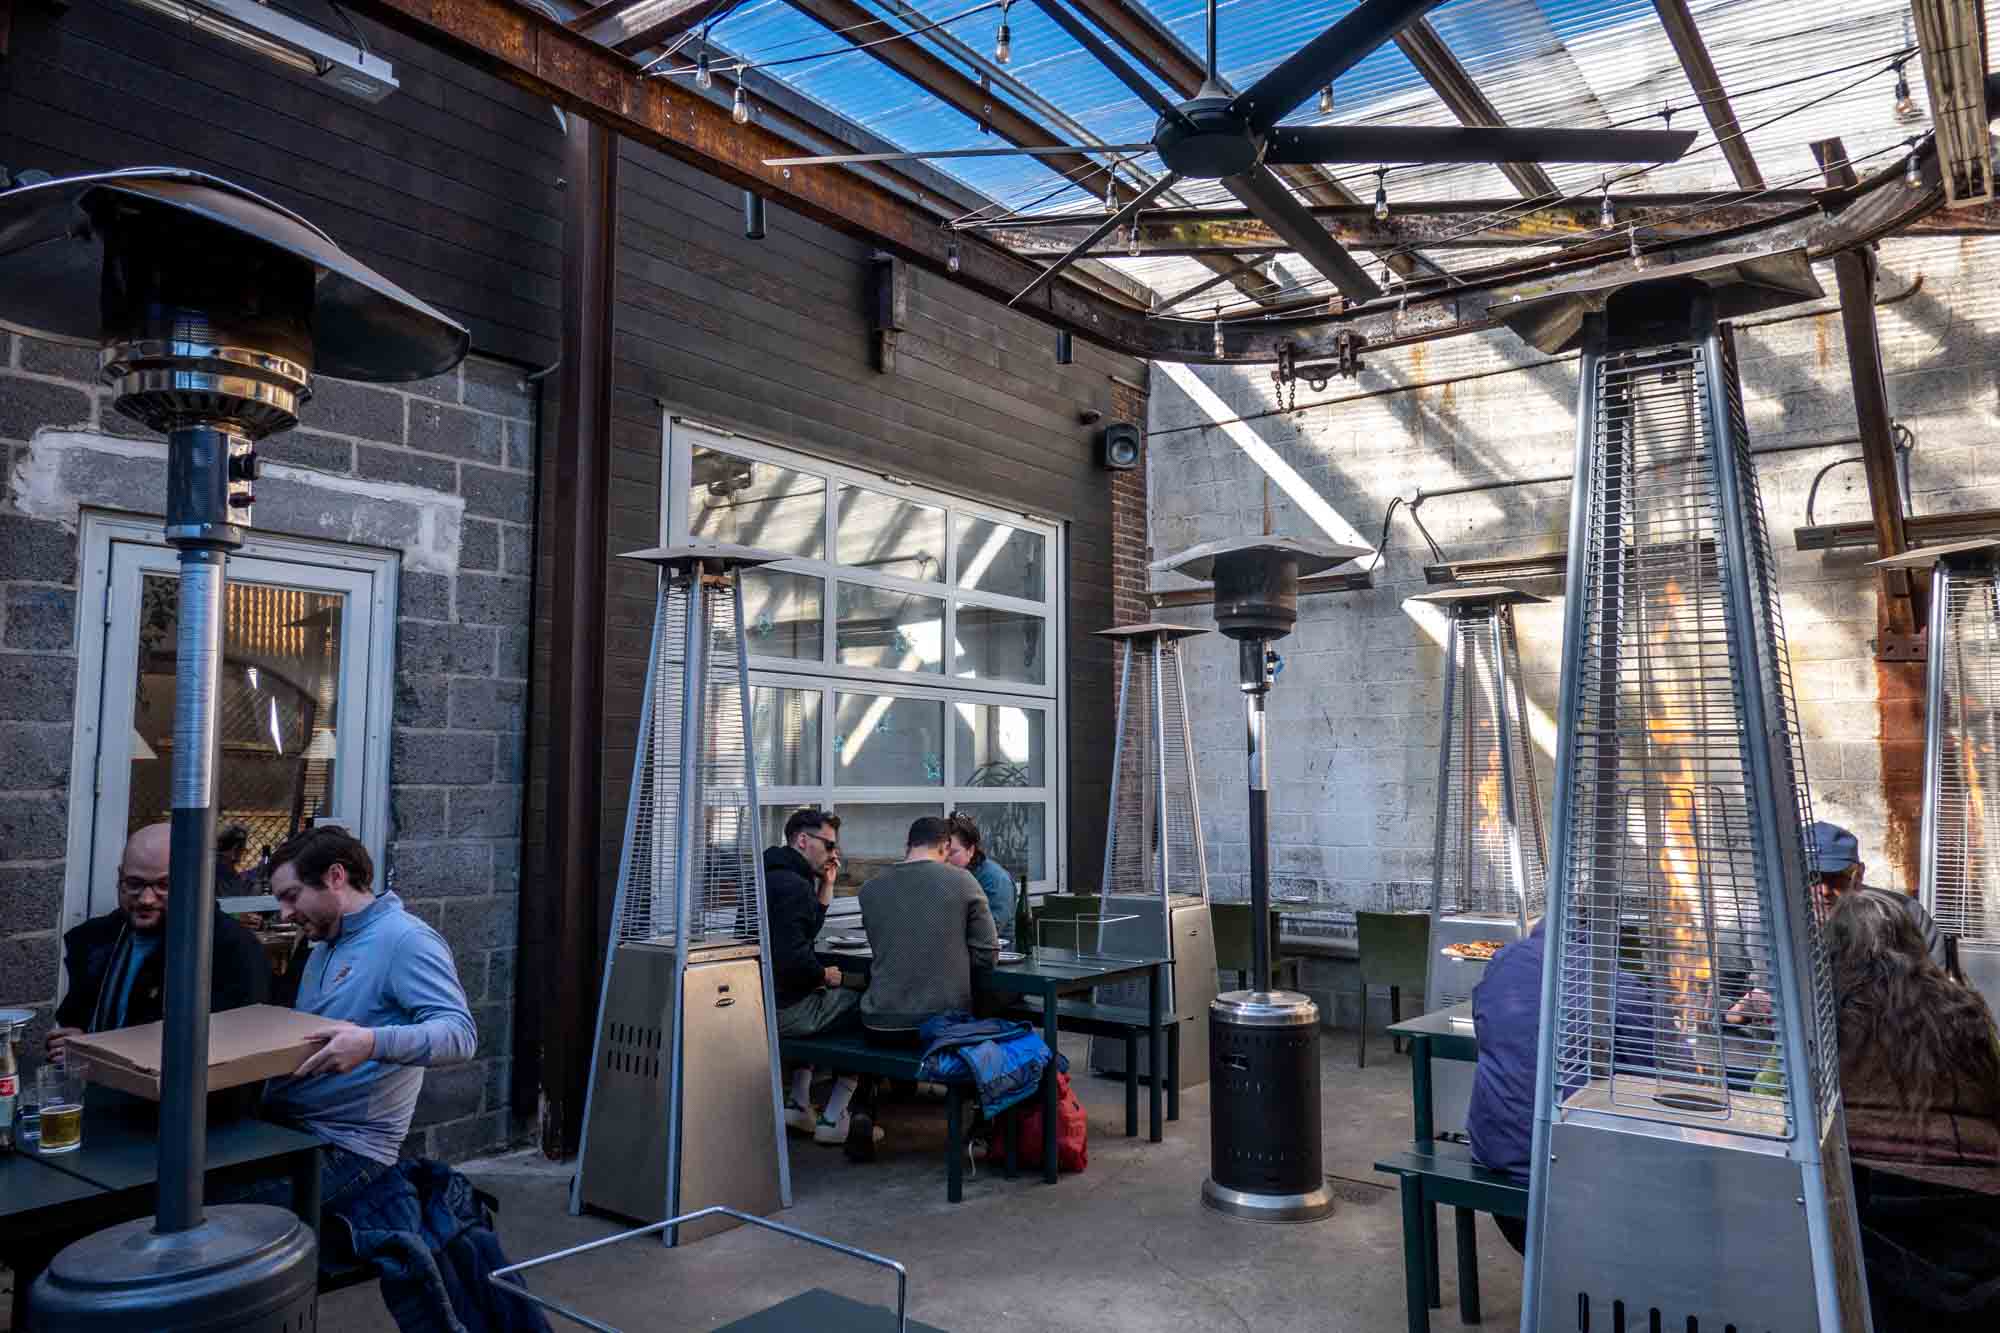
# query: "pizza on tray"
{"points": [[1474, 951]]}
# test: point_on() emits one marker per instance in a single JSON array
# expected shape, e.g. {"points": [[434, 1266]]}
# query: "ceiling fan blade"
{"points": [[1088, 39], [1325, 58], [1097, 233], [1266, 196], [1470, 143], [839, 159]]}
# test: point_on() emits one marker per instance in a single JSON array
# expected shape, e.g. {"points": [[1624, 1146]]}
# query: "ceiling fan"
{"points": [[1237, 139]]}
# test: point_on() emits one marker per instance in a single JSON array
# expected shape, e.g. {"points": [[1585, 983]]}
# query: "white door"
{"points": [[304, 700]]}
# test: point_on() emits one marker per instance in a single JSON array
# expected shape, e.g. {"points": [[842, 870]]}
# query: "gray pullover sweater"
{"points": [[929, 926]]}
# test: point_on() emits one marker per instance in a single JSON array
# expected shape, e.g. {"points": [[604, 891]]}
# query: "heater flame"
{"points": [[1678, 852]]}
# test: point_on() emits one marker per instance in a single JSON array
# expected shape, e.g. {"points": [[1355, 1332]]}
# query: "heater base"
{"points": [[1310, 1206], [247, 1268]]}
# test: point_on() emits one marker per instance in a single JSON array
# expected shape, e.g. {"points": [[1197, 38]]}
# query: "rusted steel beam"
{"points": [[1426, 50], [942, 80], [1693, 53]]}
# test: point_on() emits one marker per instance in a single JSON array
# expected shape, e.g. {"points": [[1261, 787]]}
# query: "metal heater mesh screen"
{"points": [[1964, 812], [1477, 871], [1154, 804], [721, 890], [1668, 919]]}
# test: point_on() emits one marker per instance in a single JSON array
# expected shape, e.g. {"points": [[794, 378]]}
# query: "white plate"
{"points": [[1009, 956], [849, 940]]}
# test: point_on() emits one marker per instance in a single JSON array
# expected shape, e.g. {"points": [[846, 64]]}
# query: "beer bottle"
{"points": [[10, 1087], [1024, 919]]}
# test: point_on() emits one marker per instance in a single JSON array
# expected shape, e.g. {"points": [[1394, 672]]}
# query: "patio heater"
{"points": [[212, 308], [1491, 851], [1688, 1171], [685, 1105], [1155, 883], [1263, 1045], [1960, 876]]}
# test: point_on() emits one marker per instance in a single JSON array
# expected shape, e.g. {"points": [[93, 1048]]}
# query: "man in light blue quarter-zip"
{"points": [[385, 983]]}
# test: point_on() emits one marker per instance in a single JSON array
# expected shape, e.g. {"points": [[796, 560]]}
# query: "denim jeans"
{"points": [[340, 1173]]}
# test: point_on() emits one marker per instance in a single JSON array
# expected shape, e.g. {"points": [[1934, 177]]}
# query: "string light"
{"points": [[1003, 41], [740, 112], [1912, 176], [1906, 105], [1132, 239], [1110, 197], [951, 255], [1326, 100], [1632, 248], [1607, 216], [1219, 350], [1382, 194], [702, 78]]}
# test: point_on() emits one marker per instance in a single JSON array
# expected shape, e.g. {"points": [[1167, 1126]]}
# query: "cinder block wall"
{"points": [[1355, 712], [441, 470]]}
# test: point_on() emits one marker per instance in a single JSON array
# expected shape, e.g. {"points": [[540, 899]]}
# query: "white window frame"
{"points": [[369, 578], [826, 675]]}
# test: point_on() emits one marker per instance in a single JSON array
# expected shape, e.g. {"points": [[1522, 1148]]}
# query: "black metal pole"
{"points": [[1256, 685], [198, 523]]}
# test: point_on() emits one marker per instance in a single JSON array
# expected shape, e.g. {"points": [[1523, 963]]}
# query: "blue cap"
{"points": [[1834, 847]]}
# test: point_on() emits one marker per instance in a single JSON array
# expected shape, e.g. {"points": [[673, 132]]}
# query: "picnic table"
{"points": [[49, 1200], [1445, 1035], [1048, 975]]}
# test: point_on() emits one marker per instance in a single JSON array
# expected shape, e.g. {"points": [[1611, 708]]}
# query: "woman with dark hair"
{"points": [[966, 854], [1920, 1077]]}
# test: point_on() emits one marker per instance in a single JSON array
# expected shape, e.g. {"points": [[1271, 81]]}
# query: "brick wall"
{"points": [[1129, 550], [1355, 712], [442, 471]]}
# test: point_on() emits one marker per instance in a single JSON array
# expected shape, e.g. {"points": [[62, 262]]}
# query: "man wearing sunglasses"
{"points": [[812, 999], [117, 961]]}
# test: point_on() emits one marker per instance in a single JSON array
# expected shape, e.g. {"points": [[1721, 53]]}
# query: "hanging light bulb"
{"points": [[1906, 105], [1382, 196], [1110, 197], [1326, 100], [740, 112], [951, 255], [1132, 239], [1219, 351], [1632, 248], [1003, 41], [1607, 216], [1912, 177], [702, 78]]}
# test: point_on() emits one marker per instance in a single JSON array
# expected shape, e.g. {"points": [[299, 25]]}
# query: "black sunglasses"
{"points": [[831, 844]]}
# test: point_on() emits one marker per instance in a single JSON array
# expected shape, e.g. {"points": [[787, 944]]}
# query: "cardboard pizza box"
{"points": [[246, 1045]]}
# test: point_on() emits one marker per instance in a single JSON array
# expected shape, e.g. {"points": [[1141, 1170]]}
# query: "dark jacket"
{"points": [[240, 974], [792, 892], [429, 1235]]}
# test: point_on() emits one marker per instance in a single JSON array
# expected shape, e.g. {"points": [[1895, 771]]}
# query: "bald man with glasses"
{"points": [[117, 961]]}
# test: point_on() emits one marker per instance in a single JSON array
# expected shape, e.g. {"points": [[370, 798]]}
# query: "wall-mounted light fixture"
{"points": [[288, 41]]}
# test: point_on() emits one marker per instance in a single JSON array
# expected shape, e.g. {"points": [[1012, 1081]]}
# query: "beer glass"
{"points": [[60, 1093]]}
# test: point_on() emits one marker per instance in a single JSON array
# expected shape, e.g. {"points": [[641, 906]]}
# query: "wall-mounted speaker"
{"points": [[1118, 447]]}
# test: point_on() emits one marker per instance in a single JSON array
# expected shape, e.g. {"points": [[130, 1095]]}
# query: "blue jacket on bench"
{"points": [[1002, 1058]]}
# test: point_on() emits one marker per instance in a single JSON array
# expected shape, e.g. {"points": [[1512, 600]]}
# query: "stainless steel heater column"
{"points": [[1263, 1045], [1960, 876], [1689, 1172], [211, 307]]}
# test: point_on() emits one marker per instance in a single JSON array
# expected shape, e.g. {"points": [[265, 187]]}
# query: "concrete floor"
{"points": [[1125, 1245]]}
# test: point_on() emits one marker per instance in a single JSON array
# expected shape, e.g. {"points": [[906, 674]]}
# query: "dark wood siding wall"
{"points": [[771, 338], [448, 186]]}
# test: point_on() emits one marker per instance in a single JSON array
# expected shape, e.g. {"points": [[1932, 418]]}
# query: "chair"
{"points": [[1395, 952], [1230, 924]]}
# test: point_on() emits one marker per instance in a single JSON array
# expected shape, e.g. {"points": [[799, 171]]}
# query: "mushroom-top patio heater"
{"points": [[1155, 869], [685, 1107], [1690, 1169], [1960, 876], [1263, 1045], [212, 308], [1491, 878]]}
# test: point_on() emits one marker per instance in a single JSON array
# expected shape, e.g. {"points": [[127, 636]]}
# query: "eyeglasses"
{"points": [[134, 886], [831, 844]]}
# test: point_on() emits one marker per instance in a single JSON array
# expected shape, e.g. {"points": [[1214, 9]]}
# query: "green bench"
{"points": [[1446, 1175], [851, 1053], [1126, 1023]]}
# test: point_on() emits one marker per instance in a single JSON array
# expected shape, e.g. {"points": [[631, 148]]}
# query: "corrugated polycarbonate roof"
{"points": [[1795, 71]]}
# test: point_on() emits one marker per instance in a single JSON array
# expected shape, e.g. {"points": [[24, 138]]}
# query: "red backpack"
{"points": [[1072, 1131]]}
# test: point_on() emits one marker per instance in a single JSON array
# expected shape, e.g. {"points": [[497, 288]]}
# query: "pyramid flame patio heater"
{"points": [[1155, 868], [685, 1105], [1491, 858], [1689, 1170], [212, 308], [1960, 876], [1263, 1045]]}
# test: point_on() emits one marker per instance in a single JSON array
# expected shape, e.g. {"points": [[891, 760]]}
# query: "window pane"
{"points": [[998, 745], [1015, 834], [732, 499], [784, 612], [888, 535], [881, 741], [1000, 645], [785, 730], [278, 709], [895, 631], [993, 557], [872, 838]]}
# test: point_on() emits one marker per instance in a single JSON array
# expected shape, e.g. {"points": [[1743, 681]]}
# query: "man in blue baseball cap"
{"points": [[1838, 855]]}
